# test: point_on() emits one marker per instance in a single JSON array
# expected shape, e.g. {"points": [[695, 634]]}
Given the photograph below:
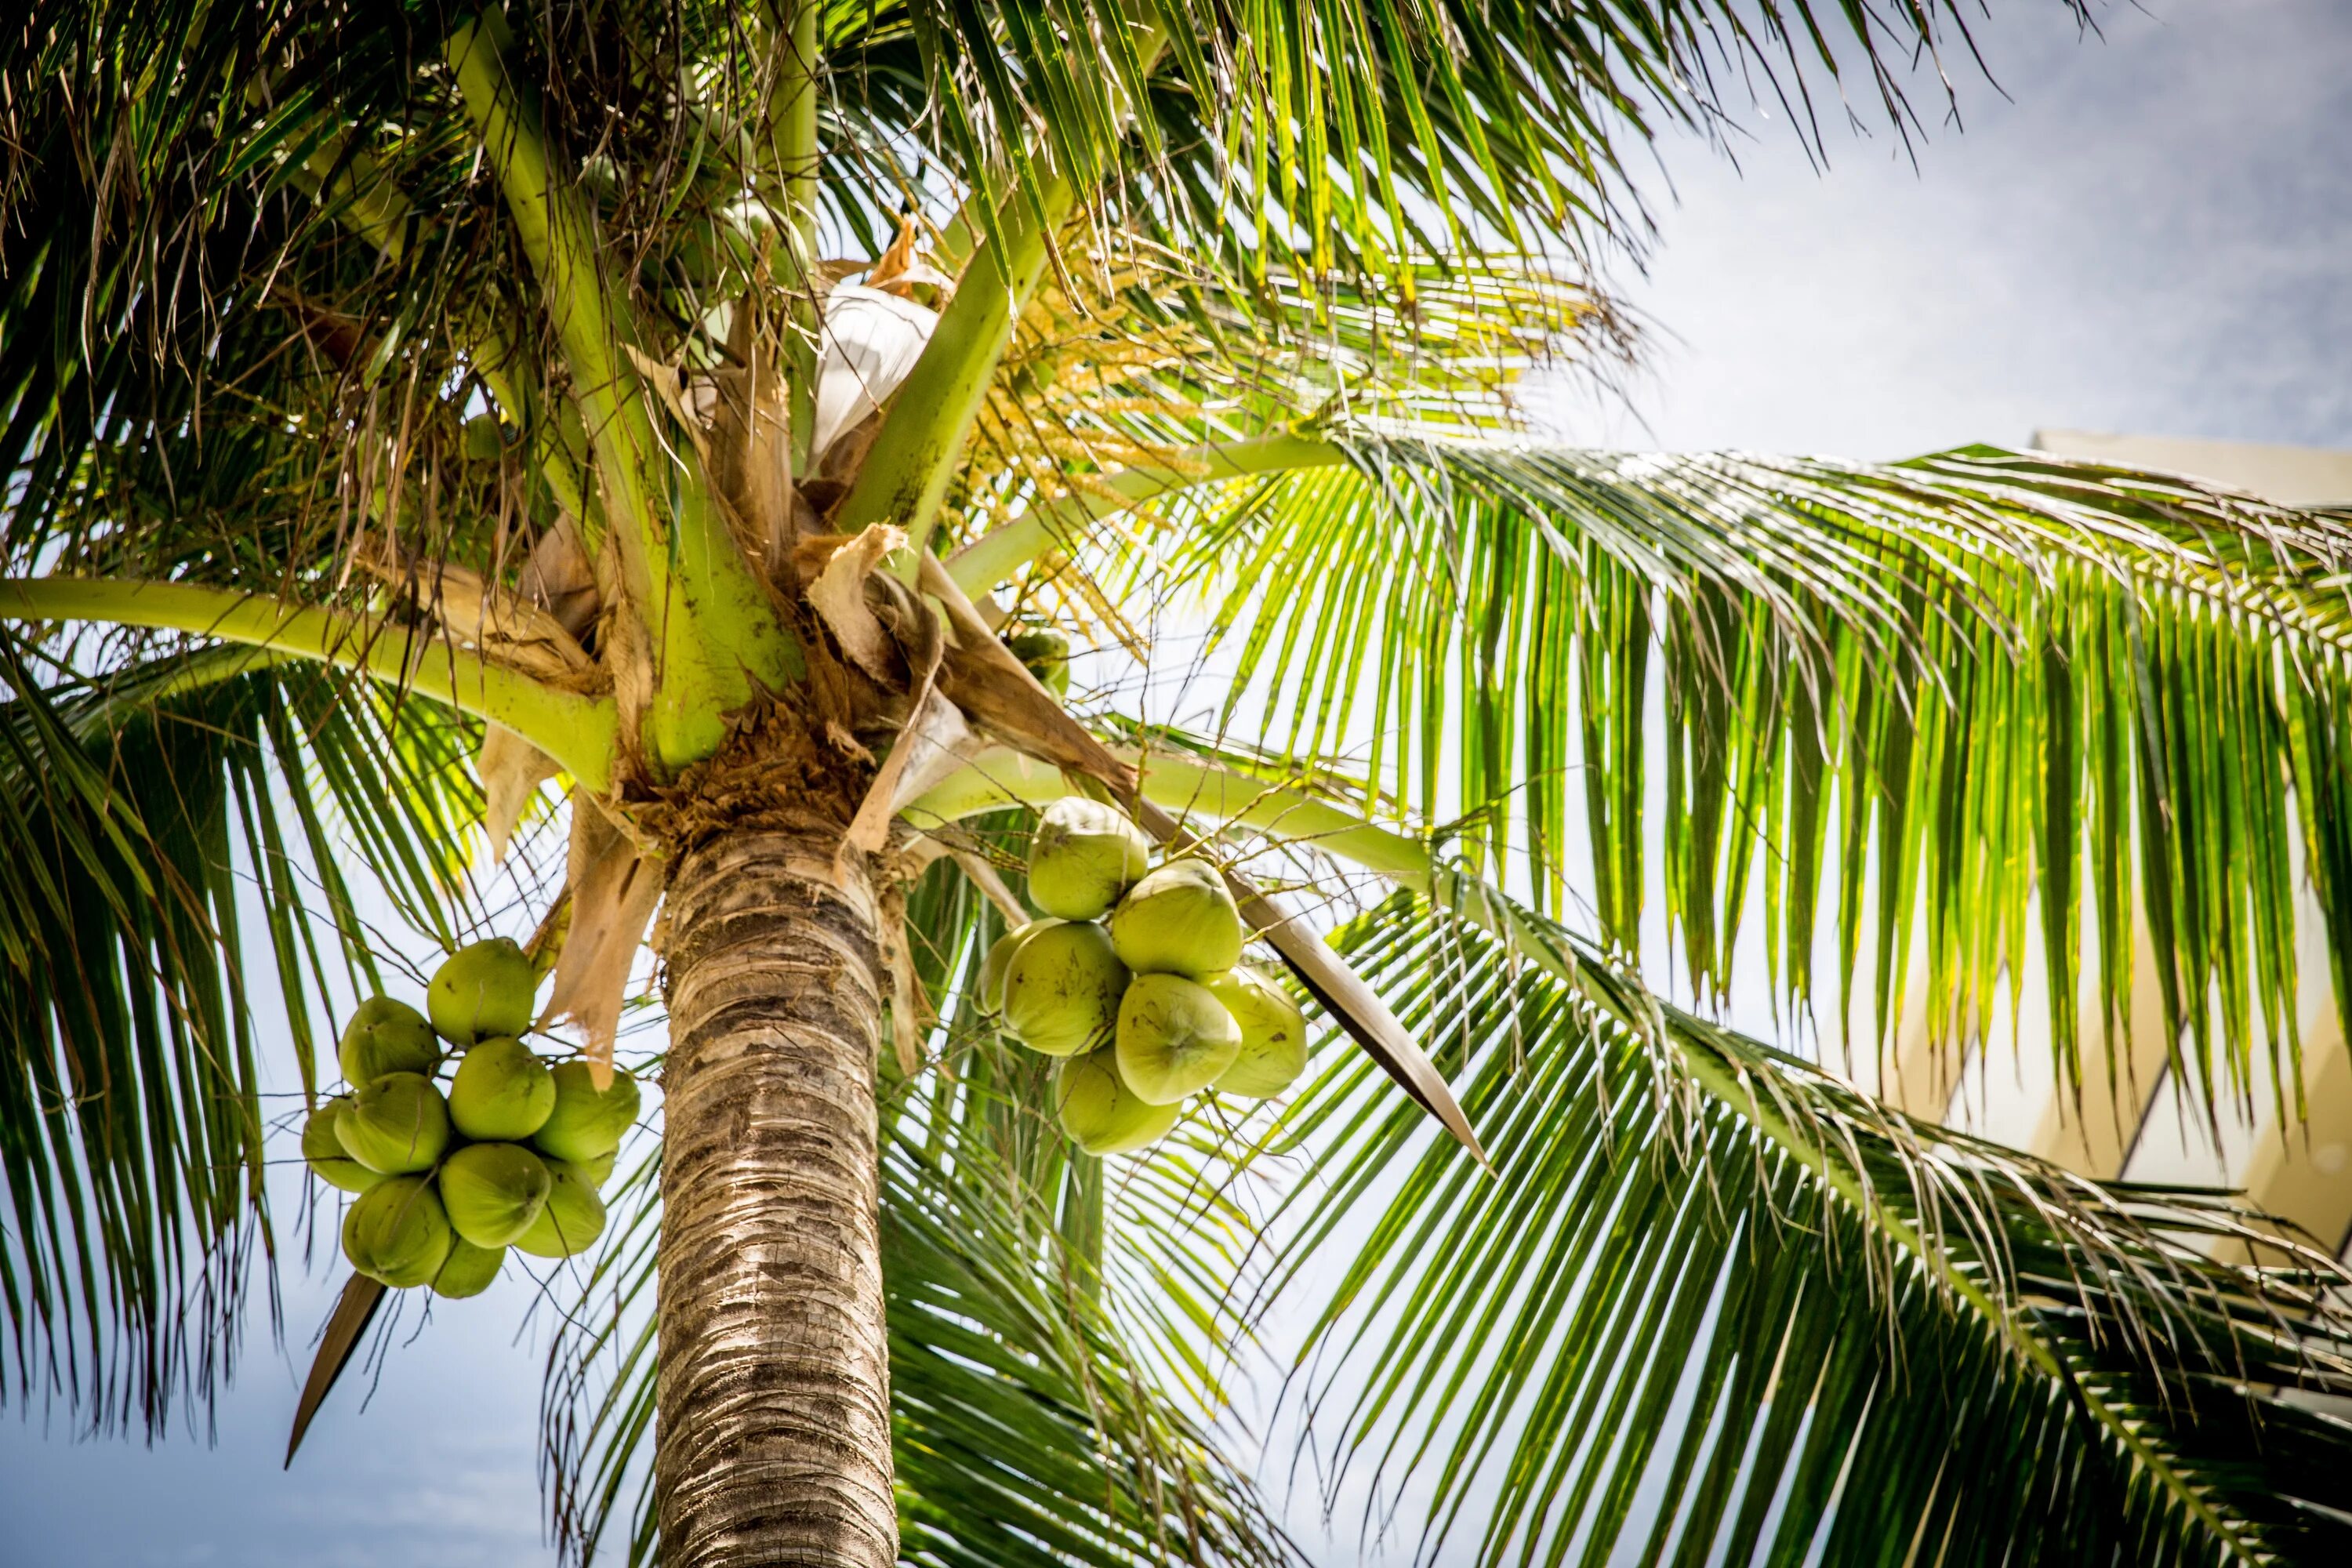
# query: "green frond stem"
{"points": [[1002, 776], [793, 147], [998, 554], [559, 465], [580, 733], [921, 442], [349, 183], [353, 185], [716, 643], [559, 237]]}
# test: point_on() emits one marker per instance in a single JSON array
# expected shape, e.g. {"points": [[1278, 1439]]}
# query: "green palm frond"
{"points": [[1355, 133], [1715, 1306], [1946, 689], [149, 816]]}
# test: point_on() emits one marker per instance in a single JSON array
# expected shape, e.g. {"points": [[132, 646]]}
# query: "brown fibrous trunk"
{"points": [[773, 1438]]}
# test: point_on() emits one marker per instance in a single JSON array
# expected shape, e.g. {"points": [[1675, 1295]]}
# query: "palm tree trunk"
{"points": [[773, 1441]]}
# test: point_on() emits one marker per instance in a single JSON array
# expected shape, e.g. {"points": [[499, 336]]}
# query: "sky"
{"points": [[2151, 233]]}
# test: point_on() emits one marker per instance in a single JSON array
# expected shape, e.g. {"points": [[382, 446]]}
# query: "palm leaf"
{"points": [[1938, 691], [145, 814], [1710, 1274]]}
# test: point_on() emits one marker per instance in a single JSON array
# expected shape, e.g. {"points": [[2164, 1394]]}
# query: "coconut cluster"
{"points": [[510, 1151], [1133, 976]]}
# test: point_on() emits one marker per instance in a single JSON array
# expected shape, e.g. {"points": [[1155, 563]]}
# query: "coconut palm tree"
{"points": [[419, 417]]}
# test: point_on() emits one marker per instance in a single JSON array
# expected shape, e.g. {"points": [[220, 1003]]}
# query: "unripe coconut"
{"points": [[397, 1233], [328, 1160], [586, 1123], [1000, 959], [501, 1091], [1180, 920], [383, 1036], [397, 1124], [493, 1191], [1046, 653], [486, 989], [1175, 1038], [1273, 1033], [484, 439], [1082, 856], [468, 1270], [573, 1219], [600, 1169], [1099, 1111], [1061, 989]]}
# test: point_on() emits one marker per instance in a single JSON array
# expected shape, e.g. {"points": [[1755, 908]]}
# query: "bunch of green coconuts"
{"points": [[510, 1155], [1146, 1007]]}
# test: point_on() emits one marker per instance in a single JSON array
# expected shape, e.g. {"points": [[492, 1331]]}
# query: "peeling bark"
{"points": [[773, 1443]]}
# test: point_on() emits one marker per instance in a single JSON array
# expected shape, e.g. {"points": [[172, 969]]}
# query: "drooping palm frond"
{"points": [[1950, 690], [1712, 1305], [149, 817]]}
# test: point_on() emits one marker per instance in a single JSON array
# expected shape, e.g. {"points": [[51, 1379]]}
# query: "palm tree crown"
{"points": [[410, 406]]}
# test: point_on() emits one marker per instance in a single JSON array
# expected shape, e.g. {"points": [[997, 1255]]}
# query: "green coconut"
{"points": [[486, 989], [1273, 1033], [383, 1036], [501, 1091], [573, 1219], [484, 439], [468, 1270], [1082, 856], [600, 1169], [328, 1160], [1061, 989], [585, 1123], [1000, 959], [1046, 653], [1175, 1038], [397, 1124], [1099, 1111], [493, 1191], [1180, 920], [398, 1233]]}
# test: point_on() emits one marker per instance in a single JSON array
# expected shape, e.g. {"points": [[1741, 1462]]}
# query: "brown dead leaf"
{"points": [[899, 269], [997, 692], [613, 889], [838, 597], [667, 383], [512, 769], [750, 449], [559, 578], [930, 741], [503, 625]]}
